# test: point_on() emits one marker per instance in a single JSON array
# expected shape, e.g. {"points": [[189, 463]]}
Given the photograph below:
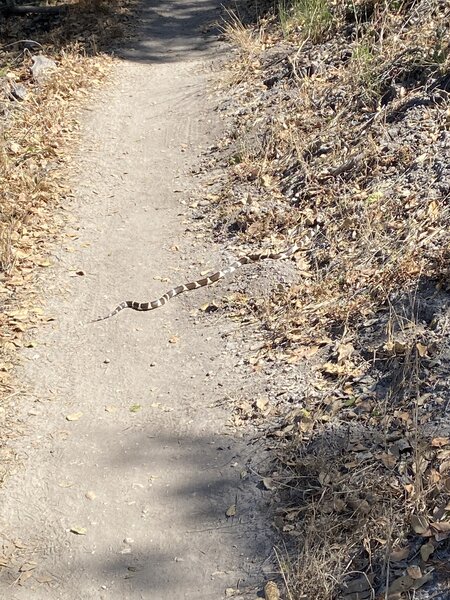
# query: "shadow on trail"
{"points": [[173, 32], [189, 520], [153, 32]]}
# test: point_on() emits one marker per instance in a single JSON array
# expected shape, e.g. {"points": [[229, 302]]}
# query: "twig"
{"points": [[21, 42]]}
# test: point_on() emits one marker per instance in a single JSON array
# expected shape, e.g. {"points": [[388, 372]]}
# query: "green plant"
{"points": [[313, 17], [366, 70]]}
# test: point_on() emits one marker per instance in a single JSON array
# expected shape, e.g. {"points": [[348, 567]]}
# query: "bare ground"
{"points": [[127, 467]]}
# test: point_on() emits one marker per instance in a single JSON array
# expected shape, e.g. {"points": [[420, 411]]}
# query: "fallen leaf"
{"points": [[262, 404], [134, 408], [268, 483], [422, 350], [271, 591], [231, 511], [78, 530], [438, 442], [399, 585], [442, 526], [420, 525], [414, 572], [388, 460], [74, 416], [400, 554], [344, 351], [14, 148], [426, 551], [395, 347]]}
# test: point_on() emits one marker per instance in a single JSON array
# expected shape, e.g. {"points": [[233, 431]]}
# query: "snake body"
{"points": [[194, 285]]}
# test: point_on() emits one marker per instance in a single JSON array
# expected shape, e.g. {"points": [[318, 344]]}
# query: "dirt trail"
{"points": [[148, 487]]}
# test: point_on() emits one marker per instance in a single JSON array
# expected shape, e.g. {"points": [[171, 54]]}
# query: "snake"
{"points": [[199, 283]]}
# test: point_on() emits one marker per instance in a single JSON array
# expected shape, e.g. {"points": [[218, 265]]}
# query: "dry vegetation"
{"points": [[340, 141], [37, 126]]}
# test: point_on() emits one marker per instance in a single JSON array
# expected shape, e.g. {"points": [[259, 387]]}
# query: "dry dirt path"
{"points": [[147, 469]]}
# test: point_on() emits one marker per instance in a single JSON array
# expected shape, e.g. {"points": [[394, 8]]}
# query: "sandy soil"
{"points": [[128, 498]]}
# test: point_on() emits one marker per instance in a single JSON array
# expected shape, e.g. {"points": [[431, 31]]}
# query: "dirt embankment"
{"points": [[338, 139]]}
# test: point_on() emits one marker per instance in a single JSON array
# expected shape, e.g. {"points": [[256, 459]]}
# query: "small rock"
{"points": [[18, 91], [41, 68]]}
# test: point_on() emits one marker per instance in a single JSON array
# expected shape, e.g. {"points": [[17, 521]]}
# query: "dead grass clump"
{"points": [[351, 503]]}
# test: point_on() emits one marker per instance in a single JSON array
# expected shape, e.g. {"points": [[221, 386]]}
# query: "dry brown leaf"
{"points": [[420, 525], [441, 526], [434, 477], [262, 404], [271, 591], [344, 351], [438, 442], [422, 350], [444, 466], [346, 369], [414, 572], [426, 550], [395, 347], [268, 483], [400, 554], [388, 460], [74, 416]]}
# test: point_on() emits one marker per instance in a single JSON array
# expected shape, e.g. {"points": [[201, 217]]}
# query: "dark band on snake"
{"points": [[194, 285]]}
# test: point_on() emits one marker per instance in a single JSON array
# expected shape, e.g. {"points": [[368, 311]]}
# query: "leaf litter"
{"points": [[337, 140]]}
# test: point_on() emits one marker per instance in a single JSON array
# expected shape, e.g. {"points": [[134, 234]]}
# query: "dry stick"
{"points": [[282, 574], [21, 42]]}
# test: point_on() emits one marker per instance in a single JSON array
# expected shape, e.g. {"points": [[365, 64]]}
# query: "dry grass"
{"points": [[322, 169], [342, 140], [36, 138]]}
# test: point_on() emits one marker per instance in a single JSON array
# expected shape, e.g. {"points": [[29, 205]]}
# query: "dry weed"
{"points": [[350, 154]]}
